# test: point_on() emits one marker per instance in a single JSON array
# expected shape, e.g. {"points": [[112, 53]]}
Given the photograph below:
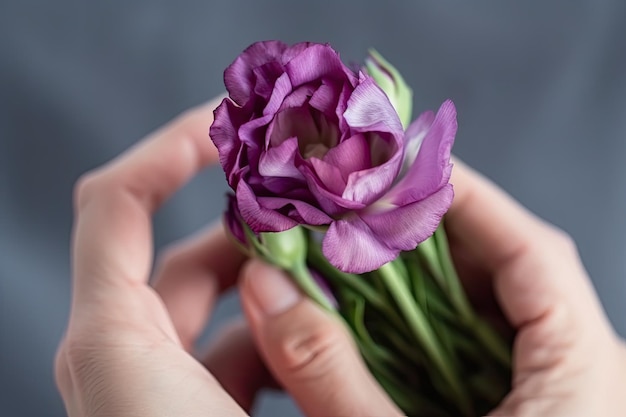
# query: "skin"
{"points": [[129, 345]]}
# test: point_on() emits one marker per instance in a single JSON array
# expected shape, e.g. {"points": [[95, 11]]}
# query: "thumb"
{"points": [[307, 350]]}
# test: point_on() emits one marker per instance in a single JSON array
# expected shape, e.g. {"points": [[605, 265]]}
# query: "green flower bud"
{"points": [[391, 82], [286, 249]]}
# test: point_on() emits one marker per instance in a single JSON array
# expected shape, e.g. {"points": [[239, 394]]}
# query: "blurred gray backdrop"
{"points": [[540, 88]]}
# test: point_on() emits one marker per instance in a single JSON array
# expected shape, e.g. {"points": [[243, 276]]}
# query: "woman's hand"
{"points": [[128, 346], [568, 362]]}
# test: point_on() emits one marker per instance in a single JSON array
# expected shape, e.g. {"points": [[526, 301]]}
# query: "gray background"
{"points": [[540, 88]]}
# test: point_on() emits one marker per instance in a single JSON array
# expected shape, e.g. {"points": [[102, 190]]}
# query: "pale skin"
{"points": [[129, 345]]}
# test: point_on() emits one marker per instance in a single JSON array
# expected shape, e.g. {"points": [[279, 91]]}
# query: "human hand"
{"points": [[567, 360], [128, 347]]}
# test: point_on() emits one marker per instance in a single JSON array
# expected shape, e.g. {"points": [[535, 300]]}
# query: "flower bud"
{"points": [[391, 82], [286, 249]]}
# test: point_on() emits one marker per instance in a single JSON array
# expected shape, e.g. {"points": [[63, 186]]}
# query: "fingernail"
{"points": [[272, 289]]}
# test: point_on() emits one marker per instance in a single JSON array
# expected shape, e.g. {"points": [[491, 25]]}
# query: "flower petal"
{"points": [[278, 161], [350, 155], [366, 186], [350, 246], [224, 135], [331, 203], [403, 228], [264, 78], [282, 88], [300, 211], [431, 168], [259, 218], [286, 187], [369, 109], [239, 77], [294, 50], [317, 62], [325, 98], [413, 138], [233, 220], [329, 176], [293, 122]]}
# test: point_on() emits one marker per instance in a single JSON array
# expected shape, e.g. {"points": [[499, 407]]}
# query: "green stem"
{"points": [[302, 276], [492, 341], [424, 333], [356, 283], [457, 293]]}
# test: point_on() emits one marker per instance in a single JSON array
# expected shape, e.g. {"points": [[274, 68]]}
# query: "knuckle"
{"points": [[562, 240]]}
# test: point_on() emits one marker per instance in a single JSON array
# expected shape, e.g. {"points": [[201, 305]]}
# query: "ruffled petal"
{"points": [[293, 51], [413, 138], [278, 161], [431, 168], [403, 228], [368, 185], [233, 220], [223, 133], [298, 97], [299, 211], [325, 99], [350, 156], [282, 88], [259, 218], [329, 176], [239, 77], [264, 78], [252, 132], [317, 62], [331, 203], [369, 110], [293, 122], [286, 187], [350, 246]]}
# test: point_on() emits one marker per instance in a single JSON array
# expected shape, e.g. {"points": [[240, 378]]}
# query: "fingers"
{"points": [[535, 266], [191, 274], [112, 243], [234, 361], [488, 221], [307, 350]]}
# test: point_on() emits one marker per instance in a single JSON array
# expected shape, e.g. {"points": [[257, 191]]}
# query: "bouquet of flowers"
{"points": [[335, 184]]}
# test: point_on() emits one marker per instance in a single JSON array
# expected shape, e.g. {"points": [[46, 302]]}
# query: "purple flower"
{"points": [[305, 140]]}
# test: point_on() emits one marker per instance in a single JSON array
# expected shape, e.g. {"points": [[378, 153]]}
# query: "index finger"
{"points": [[112, 242]]}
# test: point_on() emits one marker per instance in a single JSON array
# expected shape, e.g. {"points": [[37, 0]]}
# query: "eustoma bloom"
{"points": [[305, 140]]}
